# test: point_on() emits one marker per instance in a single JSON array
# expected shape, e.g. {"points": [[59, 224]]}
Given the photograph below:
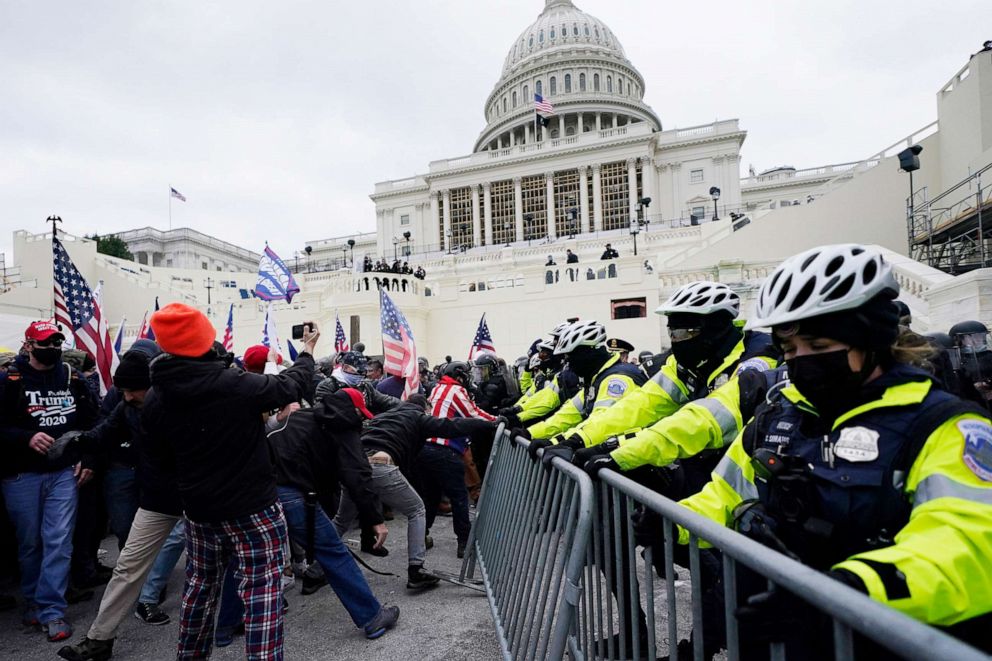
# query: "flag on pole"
{"points": [[146, 332], [293, 353], [176, 194], [398, 347], [483, 341], [275, 282], [78, 311], [229, 331], [119, 340], [270, 337], [542, 105], [340, 341]]}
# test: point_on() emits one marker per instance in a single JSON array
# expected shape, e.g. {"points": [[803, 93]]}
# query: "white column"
{"points": [[561, 126], [528, 133], [431, 228], [476, 227], [632, 187], [518, 209], [599, 122], [597, 195], [583, 199], [549, 180], [650, 175], [487, 211], [446, 205], [677, 200]]}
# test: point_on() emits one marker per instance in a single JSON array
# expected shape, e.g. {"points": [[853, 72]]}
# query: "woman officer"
{"points": [[858, 465]]}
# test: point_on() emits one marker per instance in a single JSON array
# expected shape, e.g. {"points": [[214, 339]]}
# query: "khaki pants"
{"points": [[148, 533], [472, 480]]}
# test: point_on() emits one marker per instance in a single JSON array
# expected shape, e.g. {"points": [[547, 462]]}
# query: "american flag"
{"points": [[78, 308], [229, 331], [340, 341], [398, 348], [176, 194], [146, 332], [540, 105], [483, 342], [119, 340]]}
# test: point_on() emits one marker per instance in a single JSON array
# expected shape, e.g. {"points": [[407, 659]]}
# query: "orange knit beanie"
{"points": [[183, 330]]}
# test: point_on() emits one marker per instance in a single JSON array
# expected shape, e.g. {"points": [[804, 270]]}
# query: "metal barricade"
{"points": [[529, 540]]}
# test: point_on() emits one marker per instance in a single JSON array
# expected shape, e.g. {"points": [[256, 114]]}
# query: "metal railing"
{"points": [[529, 541], [560, 562]]}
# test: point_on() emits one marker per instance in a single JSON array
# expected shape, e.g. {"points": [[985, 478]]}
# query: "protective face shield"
{"points": [[973, 342]]}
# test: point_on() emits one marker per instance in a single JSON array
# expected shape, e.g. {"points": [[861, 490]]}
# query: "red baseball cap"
{"points": [[358, 399], [256, 356], [40, 331]]}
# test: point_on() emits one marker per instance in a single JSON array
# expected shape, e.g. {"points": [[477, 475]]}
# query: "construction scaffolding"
{"points": [[953, 231]]}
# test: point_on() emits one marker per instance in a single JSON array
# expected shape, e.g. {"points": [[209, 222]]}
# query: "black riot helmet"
{"points": [[970, 336], [486, 366], [458, 370]]}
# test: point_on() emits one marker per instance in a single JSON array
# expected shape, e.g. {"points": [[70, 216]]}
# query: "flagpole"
{"points": [[170, 207]]}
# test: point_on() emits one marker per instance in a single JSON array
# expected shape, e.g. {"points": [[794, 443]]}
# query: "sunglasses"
{"points": [[683, 334], [45, 344]]}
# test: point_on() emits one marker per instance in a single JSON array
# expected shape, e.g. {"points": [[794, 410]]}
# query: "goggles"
{"points": [[683, 334]]}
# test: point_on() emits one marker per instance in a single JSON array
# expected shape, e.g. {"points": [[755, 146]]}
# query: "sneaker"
{"points": [[418, 579], [151, 614], [312, 583], [88, 650], [428, 541], [461, 550], [384, 620], [29, 617], [380, 552], [58, 630]]}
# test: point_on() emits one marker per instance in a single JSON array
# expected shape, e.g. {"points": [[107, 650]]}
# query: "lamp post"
{"points": [[407, 235], [448, 235], [635, 229], [351, 249], [528, 229], [642, 207], [54, 220], [308, 250], [715, 194], [395, 243]]}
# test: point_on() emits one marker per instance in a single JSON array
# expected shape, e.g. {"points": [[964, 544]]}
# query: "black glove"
{"points": [[560, 450], [61, 443], [584, 455], [509, 410], [598, 463], [848, 578], [536, 445], [512, 419], [519, 431]]}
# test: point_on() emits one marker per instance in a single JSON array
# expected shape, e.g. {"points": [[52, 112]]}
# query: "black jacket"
{"points": [[122, 451], [156, 480], [402, 431], [54, 401], [376, 401], [319, 449], [491, 395], [207, 419]]}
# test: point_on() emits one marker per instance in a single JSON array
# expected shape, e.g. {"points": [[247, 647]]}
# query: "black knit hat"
{"points": [[133, 372]]}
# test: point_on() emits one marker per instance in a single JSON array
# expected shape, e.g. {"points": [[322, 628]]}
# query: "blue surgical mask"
{"points": [[346, 377]]}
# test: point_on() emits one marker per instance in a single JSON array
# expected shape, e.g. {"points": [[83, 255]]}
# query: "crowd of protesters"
{"points": [[255, 467], [397, 266]]}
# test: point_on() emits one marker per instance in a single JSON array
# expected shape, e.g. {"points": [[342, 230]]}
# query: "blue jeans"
{"points": [[42, 507], [330, 552], [166, 561], [443, 471], [121, 493], [232, 610]]}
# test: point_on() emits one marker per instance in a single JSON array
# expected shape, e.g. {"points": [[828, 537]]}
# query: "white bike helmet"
{"points": [[559, 329], [581, 334], [820, 281], [702, 298]]}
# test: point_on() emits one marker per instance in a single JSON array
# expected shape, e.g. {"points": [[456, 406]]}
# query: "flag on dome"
{"points": [[483, 342], [229, 331], [275, 282], [398, 347], [176, 194], [340, 341], [78, 310], [119, 340], [542, 105]]}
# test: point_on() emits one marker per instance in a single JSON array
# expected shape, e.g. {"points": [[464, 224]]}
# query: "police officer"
{"points": [[553, 382], [622, 347], [606, 377], [491, 389], [858, 465]]}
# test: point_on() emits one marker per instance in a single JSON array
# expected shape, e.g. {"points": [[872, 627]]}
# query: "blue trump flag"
{"points": [[275, 282]]}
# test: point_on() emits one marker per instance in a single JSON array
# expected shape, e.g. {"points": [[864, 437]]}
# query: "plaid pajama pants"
{"points": [[255, 544]]}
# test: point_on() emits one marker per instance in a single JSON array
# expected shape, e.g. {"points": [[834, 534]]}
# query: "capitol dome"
{"points": [[576, 63]]}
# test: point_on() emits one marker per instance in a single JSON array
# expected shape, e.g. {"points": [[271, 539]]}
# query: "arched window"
{"points": [[587, 30], [554, 133], [575, 29], [570, 131], [527, 98], [552, 33], [568, 83], [595, 82], [504, 104], [582, 82], [540, 37], [538, 88], [530, 42], [553, 85], [609, 84], [620, 85], [596, 31], [514, 97]]}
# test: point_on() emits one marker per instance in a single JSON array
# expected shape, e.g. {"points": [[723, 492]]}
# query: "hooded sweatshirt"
{"points": [[206, 420], [52, 401]]}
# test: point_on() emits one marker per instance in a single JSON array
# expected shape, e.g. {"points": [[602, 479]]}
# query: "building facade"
{"points": [[184, 248]]}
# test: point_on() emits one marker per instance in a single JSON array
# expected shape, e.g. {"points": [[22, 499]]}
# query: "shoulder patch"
{"points": [[616, 388], [977, 454], [756, 364]]}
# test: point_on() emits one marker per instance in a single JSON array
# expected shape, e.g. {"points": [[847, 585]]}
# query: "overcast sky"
{"points": [[275, 119]]}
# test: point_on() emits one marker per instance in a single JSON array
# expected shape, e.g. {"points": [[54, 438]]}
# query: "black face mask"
{"points": [[47, 356], [826, 380], [586, 363], [692, 353]]}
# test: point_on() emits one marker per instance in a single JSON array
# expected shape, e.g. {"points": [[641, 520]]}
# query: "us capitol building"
{"points": [[601, 169]]}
